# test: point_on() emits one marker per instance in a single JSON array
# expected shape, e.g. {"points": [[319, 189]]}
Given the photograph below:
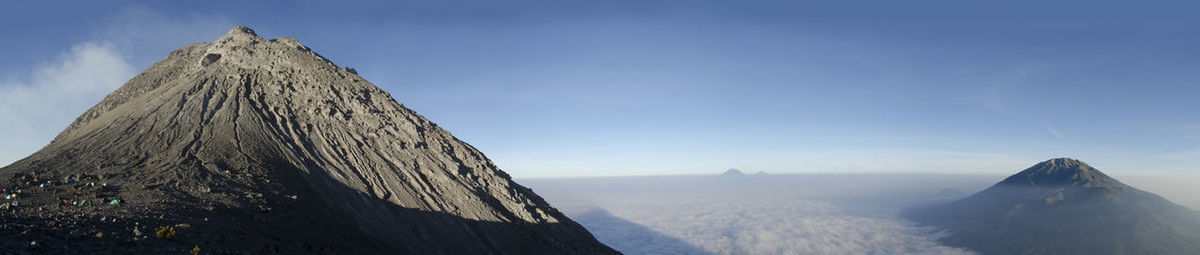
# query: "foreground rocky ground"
{"points": [[87, 214]]}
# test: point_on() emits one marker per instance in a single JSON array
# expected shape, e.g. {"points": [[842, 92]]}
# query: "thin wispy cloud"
{"points": [[143, 34], [36, 106], [1188, 132], [34, 111], [1189, 154], [1192, 127], [1054, 132]]}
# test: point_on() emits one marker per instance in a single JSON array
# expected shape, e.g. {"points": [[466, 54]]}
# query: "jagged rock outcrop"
{"points": [[1064, 206], [248, 144]]}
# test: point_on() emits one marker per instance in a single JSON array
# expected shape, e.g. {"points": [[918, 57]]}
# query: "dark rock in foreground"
{"points": [[253, 145]]}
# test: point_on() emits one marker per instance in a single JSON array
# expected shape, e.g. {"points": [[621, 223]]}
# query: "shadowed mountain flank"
{"points": [[248, 144], [1064, 206], [631, 238]]}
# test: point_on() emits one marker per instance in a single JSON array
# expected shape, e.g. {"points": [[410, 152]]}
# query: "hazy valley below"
{"points": [[770, 214]]}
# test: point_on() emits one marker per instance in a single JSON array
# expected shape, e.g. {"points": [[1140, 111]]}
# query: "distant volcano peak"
{"points": [[1064, 162], [1064, 206], [733, 172], [1060, 172]]}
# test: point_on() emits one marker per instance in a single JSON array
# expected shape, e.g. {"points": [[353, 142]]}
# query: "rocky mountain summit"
{"points": [[1064, 206], [1061, 172], [253, 145]]}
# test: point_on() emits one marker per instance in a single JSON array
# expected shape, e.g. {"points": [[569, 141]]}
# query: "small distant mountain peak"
{"points": [[761, 173], [1060, 172], [733, 172]]}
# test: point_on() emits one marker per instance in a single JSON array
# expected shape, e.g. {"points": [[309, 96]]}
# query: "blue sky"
{"points": [[598, 88]]}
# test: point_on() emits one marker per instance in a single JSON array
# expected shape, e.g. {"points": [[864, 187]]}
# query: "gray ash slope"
{"points": [[1065, 206], [247, 144]]}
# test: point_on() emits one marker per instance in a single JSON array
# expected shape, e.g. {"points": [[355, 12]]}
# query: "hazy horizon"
{"points": [[1176, 188]]}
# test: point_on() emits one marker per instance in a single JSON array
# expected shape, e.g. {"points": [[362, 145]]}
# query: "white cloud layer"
{"points": [[55, 94], [774, 214], [766, 227]]}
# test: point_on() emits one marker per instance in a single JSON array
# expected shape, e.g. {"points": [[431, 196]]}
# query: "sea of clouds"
{"points": [[773, 214]]}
